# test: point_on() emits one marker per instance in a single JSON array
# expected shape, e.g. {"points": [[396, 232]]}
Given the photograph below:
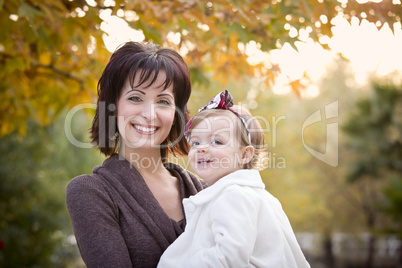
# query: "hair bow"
{"points": [[221, 101]]}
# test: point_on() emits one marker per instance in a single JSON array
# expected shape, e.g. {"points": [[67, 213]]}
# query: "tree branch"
{"points": [[61, 72]]}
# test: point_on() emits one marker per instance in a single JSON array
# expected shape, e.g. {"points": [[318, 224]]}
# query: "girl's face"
{"points": [[145, 114], [215, 148]]}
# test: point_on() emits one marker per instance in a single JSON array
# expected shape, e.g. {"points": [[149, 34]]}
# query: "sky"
{"points": [[369, 50]]}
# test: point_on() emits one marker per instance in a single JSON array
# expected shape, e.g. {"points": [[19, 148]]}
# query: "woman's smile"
{"points": [[146, 130]]}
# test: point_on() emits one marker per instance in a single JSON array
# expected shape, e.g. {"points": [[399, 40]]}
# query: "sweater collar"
{"points": [[243, 177]]}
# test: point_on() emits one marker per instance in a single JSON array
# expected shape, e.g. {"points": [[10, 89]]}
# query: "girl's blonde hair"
{"points": [[256, 133]]}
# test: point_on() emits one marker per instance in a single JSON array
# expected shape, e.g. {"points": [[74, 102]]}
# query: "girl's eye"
{"points": [[217, 142], [164, 102], [194, 143], [135, 99]]}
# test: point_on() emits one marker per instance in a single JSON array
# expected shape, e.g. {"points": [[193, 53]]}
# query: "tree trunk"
{"points": [[328, 251], [370, 252], [372, 240], [400, 255]]}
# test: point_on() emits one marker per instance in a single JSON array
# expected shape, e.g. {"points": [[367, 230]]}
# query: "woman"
{"points": [[129, 210]]}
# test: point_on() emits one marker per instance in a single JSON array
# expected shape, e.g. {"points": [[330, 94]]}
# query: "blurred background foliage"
{"points": [[35, 169], [52, 53]]}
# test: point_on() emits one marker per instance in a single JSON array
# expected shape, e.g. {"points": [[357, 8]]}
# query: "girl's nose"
{"points": [[202, 149]]}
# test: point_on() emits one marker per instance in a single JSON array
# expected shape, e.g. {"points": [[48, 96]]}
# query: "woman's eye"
{"points": [[164, 102], [135, 99]]}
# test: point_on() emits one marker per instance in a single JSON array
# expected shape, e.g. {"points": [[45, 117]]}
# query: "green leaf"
{"points": [[30, 12], [197, 76], [14, 64], [150, 33]]}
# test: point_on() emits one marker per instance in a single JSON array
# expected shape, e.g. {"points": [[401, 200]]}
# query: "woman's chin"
{"points": [[142, 144]]}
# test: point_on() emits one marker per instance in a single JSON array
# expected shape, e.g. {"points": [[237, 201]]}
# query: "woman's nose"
{"points": [[148, 111]]}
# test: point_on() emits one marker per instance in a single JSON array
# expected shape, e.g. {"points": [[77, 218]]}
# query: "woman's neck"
{"points": [[146, 161]]}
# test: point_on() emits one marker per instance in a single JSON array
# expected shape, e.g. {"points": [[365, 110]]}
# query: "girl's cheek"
{"points": [[190, 156]]}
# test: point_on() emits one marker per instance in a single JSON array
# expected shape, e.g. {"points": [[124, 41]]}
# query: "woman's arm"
{"points": [[94, 217]]}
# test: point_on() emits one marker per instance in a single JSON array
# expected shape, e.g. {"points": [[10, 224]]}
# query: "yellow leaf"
{"points": [[296, 86], [22, 129], [214, 29], [45, 58], [234, 41]]}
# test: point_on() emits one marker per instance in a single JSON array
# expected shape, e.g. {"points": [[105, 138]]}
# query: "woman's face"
{"points": [[145, 114]]}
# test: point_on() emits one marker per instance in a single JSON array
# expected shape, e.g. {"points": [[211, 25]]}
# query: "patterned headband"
{"points": [[221, 101]]}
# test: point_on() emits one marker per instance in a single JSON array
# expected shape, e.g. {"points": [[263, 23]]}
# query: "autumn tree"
{"points": [[52, 51]]}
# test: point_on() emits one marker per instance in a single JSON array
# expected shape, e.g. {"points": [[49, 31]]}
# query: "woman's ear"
{"points": [[248, 153]]}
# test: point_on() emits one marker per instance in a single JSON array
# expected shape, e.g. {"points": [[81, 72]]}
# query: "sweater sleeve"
{"points": [[95, 222], [234, 219]]}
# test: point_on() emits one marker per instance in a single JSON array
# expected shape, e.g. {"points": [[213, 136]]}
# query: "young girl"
{"points": [[234, 222]]}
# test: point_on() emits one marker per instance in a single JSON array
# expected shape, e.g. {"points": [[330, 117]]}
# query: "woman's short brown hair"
{"points": [[147, 60]]}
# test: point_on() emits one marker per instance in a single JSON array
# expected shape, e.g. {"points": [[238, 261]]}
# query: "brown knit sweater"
{"points": [[116, 219]]}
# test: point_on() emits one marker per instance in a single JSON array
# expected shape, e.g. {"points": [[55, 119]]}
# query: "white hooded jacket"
{"points": [[235, 223]]}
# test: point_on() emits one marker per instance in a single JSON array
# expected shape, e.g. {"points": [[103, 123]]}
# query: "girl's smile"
{"points": [[202, 161]]}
